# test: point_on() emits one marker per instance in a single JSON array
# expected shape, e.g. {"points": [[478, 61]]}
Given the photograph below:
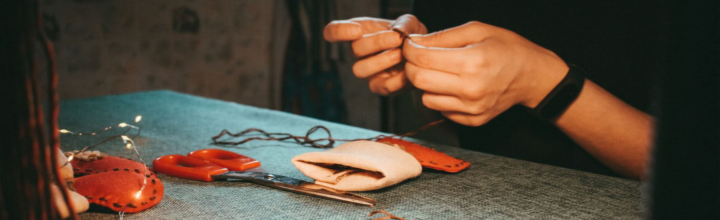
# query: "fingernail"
{"points": [[415, 37]]}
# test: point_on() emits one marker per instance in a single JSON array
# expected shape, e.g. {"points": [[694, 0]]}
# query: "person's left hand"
{"points": [[473, 72], [377, 46], [79, 202]]}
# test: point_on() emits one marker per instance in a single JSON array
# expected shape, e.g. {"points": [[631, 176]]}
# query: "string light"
{"points": [[138, 118], [65, 131], [129, 144], [122, 125]]}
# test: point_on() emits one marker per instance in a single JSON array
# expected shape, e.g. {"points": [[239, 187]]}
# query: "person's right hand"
{"points": [[378, 48]]}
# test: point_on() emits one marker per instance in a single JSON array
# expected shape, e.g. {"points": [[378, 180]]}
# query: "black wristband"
{"points": [[564, 94]]}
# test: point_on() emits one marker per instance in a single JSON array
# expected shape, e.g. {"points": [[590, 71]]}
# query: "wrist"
{"points": [[544, 82], [561, 96]]}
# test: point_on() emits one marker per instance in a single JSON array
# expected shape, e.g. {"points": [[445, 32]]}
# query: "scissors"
{"points": [[215, 164]]}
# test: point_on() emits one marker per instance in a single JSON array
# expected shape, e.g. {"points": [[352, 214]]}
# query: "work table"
{"points": [[493, 187]]}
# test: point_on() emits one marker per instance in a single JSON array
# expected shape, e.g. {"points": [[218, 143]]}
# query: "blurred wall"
{"points": [[225, 49]]}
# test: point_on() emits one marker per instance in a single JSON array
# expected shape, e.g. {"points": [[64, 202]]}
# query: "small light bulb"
{"points": [[64, 131], [122, 125], [138, 118], [128, 146]]}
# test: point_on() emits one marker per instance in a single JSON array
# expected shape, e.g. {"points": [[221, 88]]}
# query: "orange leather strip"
{"points": [[428, 157]]}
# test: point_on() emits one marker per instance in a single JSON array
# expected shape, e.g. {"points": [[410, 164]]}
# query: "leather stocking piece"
{"points": [[359, 166]]}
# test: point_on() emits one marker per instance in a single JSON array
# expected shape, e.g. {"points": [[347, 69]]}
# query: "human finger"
{"points": [[342, 30], [460, 36], [468, 119], [432, 80], [66, 169], [408, 23], [374, 64], [442, 103], [376, 42], [371, 25], [451, 60], [447, 103], [79, 202], [388, 82]]}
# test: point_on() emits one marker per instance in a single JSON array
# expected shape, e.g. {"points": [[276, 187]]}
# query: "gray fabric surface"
{"points": [[492, 188]]}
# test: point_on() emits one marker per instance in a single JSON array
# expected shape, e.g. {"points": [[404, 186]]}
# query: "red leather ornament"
{"points": [[113, 182], [428, 157]]}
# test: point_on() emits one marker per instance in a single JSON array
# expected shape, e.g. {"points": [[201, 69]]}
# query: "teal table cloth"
{"points": [[492, 188]]}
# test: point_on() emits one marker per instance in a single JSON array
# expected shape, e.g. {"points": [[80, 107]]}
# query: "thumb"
{"points": [[460, 36], [409, 24]]}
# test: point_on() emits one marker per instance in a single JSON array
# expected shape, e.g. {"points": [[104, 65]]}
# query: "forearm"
{"points": [[614, 132], [490, 69]]}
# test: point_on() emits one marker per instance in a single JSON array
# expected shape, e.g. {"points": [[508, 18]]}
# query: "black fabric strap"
{"points": [[558, 100]]}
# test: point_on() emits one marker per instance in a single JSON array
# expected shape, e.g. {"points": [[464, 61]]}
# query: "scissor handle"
{"points": [[187, 167], [227, 159]]}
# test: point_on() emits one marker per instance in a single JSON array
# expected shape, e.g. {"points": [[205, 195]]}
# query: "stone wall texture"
{"points": [[224, 49]]}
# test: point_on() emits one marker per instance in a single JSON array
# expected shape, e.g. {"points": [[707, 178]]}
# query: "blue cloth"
{"points": [[493, 187]]}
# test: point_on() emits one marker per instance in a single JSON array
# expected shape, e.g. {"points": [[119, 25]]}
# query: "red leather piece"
{"points": [[113, 182]]}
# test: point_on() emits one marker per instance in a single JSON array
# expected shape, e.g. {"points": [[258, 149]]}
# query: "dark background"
{"points": [[233, 50]]}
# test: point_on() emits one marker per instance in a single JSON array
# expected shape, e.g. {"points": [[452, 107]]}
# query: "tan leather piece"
{"points": [[358, 166]]}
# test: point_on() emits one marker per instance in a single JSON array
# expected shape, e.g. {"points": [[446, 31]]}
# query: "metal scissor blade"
{"points": [[296, 185], [327, 192]]}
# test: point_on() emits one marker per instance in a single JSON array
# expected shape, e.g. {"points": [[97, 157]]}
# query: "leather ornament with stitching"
{"points": [[113, 182]]}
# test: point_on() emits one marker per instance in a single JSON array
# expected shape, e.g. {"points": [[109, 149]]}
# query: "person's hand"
{"points": [[377, 46], [79, 202], [473, 72]]}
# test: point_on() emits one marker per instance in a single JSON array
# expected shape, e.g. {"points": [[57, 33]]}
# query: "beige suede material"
{"points": [[358, 166]]}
